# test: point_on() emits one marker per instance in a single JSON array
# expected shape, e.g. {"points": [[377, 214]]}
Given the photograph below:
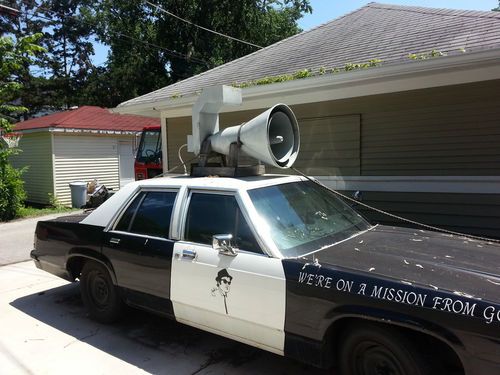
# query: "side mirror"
{"points": [[222, 244]]}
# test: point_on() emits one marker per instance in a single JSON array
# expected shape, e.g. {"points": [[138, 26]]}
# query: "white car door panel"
{"points": [[255, 299]]}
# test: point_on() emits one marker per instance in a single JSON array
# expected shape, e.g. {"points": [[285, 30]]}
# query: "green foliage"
{"points": [[12, 192], [148, 48], [54, 202], [30, 211], [53, 79], [306, 73], [427, 55], [178, 50], [14, 55]]}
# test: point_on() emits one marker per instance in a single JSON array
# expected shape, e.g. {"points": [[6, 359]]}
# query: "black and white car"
{"points": [[281, 263]]}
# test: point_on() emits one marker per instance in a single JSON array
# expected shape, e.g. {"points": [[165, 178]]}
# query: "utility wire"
{"points": [[183, 164], [171, 52], [468, 236], [201, 27], [8, 10], [121, 35]]}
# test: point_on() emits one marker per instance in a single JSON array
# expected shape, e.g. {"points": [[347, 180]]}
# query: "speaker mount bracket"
{"points": [[228, 165]]}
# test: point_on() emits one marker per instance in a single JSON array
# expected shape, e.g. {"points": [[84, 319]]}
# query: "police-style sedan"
{"points": [[280, 263]]}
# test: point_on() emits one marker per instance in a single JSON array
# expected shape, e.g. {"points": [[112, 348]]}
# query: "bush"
{"points": [[12, 192]]}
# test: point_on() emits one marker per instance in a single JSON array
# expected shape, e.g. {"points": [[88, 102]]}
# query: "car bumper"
{"points": [[49, 267]]}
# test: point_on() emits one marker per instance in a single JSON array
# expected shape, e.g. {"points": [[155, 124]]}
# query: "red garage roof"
{"points": [[89, 118]]}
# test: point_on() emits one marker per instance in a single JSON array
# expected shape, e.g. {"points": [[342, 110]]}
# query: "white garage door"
{"points": [[84, 158]]}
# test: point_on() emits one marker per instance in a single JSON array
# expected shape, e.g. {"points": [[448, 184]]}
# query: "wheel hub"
{"points": [[99, 290], [373, 359]]}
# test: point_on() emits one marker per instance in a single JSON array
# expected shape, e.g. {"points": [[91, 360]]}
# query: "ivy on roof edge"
{"points": [[306, 73]]}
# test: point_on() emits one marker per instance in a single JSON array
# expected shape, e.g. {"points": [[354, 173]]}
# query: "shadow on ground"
{"points": [[152, 343]]}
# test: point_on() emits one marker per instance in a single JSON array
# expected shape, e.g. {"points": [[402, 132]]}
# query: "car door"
{"points": [[242, 296], [140, 250]]}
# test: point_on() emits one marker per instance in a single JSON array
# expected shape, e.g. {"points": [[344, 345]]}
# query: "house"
{"points": [[398, 102], [77, 145]]}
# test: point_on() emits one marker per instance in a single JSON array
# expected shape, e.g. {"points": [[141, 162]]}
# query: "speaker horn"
{"points": [[272, 137]]}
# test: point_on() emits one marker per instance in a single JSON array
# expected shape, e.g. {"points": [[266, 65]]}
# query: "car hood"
{"points": [[465, 267]]}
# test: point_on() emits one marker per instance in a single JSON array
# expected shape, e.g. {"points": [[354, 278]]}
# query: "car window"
{"points": [[149, 214], [304, 217], [126, 219], [211, 214]]}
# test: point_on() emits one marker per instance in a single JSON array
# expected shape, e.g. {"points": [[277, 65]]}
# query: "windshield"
{"points": [[303, 217], [150, 148]]}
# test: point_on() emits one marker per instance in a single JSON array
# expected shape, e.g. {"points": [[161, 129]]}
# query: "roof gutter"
{"points": [[421, 74], [75, 130]]}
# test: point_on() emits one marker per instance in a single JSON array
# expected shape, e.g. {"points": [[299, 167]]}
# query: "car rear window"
{"points": [[150, 214]]}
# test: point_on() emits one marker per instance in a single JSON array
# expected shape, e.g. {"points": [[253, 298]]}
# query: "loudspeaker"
{"points": [[272, 137]]}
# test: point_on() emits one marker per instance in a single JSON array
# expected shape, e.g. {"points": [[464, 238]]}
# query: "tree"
{"points": [[14, 55], [150, 49], [54, 78], [497, 9], [260, 22], [68, 32]]}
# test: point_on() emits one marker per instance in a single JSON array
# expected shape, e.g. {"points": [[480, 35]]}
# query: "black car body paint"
{"points": [[424, 281], [140, 268]]}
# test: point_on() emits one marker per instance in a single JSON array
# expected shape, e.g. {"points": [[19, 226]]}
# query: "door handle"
{"points": [[191, 254], [115, 241]]}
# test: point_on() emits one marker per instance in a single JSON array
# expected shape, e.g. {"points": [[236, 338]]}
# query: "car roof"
{"points": [[234, 183], [104, 214]]}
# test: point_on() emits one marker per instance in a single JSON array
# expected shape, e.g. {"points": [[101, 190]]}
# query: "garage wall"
{"points": [[84, 158], [36, 155]]}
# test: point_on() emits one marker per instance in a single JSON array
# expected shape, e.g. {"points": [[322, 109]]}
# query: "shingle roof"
{"points": [[386, 32], [89, 118]]}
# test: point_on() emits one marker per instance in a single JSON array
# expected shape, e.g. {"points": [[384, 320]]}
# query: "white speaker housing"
{"points": [[272, 137]]}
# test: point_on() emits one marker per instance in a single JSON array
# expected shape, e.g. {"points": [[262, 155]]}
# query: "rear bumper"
{"points": [[54, 269]]}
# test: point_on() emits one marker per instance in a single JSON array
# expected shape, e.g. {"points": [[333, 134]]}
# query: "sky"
{"points": [[326, 10]]}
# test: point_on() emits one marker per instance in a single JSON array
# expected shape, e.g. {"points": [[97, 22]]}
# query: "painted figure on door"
{"points": [[223, 281]]}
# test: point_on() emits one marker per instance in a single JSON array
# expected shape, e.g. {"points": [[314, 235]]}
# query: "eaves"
{"points": [[413, 75]]}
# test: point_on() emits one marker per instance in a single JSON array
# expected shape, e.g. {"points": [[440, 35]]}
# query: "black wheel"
{"points": [[370, 349], [99, 295]]}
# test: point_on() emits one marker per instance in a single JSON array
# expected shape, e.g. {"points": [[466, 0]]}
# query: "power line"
{"points": [[8, 10], [201, 27], [121, 35], [173, 53]]}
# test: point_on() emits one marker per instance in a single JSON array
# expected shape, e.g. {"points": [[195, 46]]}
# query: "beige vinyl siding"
{"points": [[466, 213], [177, 129], [36, 155], [84, 158], [448, 132], [329, 145], [452, 131]]}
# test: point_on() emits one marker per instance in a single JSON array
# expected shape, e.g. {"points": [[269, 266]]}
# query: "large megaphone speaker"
{"points": [[272, 137]]}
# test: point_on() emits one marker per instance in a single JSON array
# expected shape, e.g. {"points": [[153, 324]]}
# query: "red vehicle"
{"points": [[148, 160]]}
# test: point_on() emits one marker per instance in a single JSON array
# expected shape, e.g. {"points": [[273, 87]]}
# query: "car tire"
{"points": [[100, 296], [370, 349]]}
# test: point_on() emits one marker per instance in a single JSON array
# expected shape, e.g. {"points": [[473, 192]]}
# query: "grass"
{"points": [[32, 211]]}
